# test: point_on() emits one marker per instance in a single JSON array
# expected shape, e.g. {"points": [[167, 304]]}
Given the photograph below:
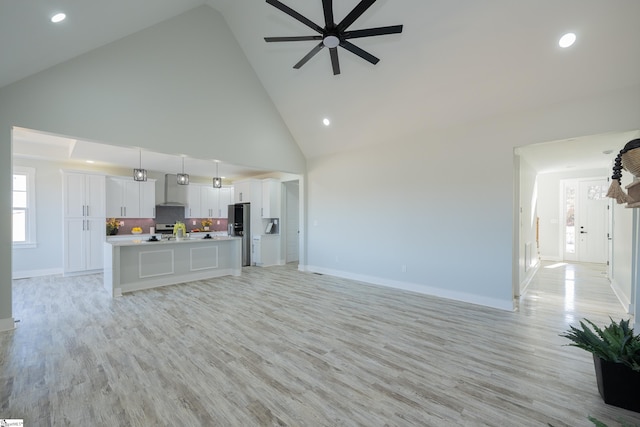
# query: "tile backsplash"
{"points": [[169, 215]]}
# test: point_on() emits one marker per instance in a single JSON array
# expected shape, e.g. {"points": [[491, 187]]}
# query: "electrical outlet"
{"points": [[194, 222], [403, 268], [218, 222]]}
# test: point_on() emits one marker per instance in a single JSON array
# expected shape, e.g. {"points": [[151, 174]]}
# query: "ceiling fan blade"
{"points": [[333, 51], [309, 55], [286, 9], [355, 14], [368, 32], [292, 39], [361, 53], [327, 6]]}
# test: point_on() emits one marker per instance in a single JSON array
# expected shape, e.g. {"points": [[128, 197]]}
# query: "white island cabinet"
{"points": [[133, 265]]}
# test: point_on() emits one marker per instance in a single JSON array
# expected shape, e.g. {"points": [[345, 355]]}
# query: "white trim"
{"points": [[7, 324], [507, 305], [624, 301], [527, 280], [24, 274]]}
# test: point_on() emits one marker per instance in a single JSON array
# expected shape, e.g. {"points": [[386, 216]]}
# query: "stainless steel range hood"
{"points": [[174, 194]]}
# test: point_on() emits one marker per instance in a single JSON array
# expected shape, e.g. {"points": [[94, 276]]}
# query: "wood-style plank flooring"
{"points": [[277, 347]]}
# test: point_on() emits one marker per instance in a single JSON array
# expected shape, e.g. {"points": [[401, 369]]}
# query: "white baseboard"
{"points": [[507, 305], [626, 303], [7, 324], [24, 274], [527, 280]]}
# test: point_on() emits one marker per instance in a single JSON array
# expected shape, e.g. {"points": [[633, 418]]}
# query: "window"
{"points": [[24, 207]]}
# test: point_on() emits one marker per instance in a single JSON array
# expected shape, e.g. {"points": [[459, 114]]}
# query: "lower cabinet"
{"points": [[84, 242], [266, 250]]}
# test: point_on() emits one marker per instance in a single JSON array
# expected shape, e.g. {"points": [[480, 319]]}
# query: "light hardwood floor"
{"points": [[277, 347]]}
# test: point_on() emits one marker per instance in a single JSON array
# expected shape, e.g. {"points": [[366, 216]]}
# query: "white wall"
{"points": [[440, 203], [181, 85], [549, 210], [622, 234]]}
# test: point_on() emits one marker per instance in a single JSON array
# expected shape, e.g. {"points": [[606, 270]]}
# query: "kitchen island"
{"points": [[136, 264]]}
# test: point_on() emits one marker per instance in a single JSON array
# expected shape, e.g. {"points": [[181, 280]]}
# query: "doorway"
{"points": [[292, 221], [584, 220]]}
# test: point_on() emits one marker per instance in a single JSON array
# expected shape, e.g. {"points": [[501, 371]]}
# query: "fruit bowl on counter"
{"points": [[136, 230]]}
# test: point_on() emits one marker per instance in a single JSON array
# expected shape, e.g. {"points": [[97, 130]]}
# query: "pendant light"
{"points": [[140, 174], [217, 181], [183, 178]]}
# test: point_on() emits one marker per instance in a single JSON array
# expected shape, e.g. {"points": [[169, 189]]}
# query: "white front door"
{"points": [[585, 220]]}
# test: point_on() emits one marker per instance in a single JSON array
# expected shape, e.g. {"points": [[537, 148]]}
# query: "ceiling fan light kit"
{"points": [[334, 35]]}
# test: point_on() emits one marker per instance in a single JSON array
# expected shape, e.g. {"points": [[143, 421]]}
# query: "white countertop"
{"points": [[145, 241]]}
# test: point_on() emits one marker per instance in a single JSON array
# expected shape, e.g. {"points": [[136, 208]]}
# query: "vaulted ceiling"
{"points": [[456, 62]]}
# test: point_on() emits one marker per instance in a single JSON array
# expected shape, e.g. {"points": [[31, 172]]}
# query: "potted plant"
{"points": [[206, 223], [616, 357], [112, 226]]}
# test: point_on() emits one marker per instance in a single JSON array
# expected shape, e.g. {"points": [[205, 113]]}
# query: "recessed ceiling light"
{"points": [[607, 152], [58, 17], [567, 40], [326, 121]]}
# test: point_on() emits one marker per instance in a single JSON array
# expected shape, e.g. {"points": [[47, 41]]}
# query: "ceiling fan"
{"points": [[334, 35]]}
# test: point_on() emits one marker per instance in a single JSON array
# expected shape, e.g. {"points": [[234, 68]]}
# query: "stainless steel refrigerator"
{"points": [[240, 226]]}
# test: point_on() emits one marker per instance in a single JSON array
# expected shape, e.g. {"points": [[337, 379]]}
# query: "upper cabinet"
{"points": [[248, 191], [271, 197], [127, 198], [204, 201], [84, 195], [225, 199], [148, 199], [194, 204]]}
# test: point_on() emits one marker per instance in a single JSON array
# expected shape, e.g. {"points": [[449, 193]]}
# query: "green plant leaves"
{"points": [[615, 343]]}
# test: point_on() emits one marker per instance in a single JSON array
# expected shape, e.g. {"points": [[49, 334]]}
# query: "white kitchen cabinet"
{"points": [[266, 250], [84, 225], [83, 243], [127, 198], [83, 195], [194, 204], [250, 191], [209, 198], [204, 201], [271, 197], [225, 199], [148, 199]]}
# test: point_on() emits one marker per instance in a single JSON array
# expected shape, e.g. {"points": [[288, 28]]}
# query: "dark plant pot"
{"points": [[618, 384], [112, 231]]}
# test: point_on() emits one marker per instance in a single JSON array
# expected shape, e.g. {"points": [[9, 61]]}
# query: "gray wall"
{"points": [[184, 82], [446, 209]]}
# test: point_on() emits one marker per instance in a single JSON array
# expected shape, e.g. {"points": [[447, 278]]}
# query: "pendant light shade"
{"points": [[140, 174], [217, 180], [183, 178]]}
